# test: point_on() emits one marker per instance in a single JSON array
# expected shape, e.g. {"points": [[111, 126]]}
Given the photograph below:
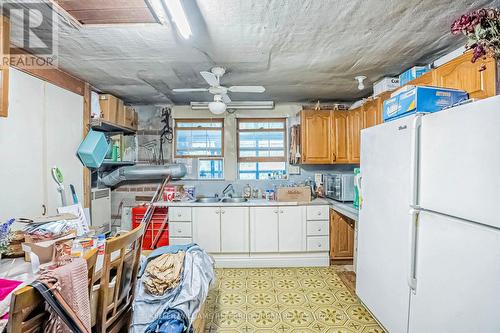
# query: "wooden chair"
{"points": [[27, 308], [121, 262]]}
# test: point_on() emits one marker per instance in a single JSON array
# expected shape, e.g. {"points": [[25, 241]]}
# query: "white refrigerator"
{"points": [[429, 227]]}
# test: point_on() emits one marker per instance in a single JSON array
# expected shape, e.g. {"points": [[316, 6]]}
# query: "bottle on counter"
{"points": [[101, 243], [247, 191]]}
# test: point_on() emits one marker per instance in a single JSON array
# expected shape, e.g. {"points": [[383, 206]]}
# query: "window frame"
{"points": [[198, 128], [264, 120]]}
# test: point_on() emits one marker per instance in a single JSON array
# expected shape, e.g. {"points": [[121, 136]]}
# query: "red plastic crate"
{"points": [[160, 214]]}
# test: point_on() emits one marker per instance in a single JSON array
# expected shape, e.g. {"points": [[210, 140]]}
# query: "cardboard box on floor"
{"points": [[294, 194]]}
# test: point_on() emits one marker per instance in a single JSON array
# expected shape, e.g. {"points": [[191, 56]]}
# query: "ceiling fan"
{"points": [[221, 98]]}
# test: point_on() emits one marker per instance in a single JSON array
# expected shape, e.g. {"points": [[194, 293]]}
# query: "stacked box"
{"points": [[421, 99], [386, 84], [412, 74]]}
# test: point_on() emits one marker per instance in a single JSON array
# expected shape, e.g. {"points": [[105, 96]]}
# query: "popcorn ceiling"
{"points": [[300, 50]]}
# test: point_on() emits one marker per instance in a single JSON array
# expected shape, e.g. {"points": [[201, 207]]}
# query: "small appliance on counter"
{"points": [[339, 186]]}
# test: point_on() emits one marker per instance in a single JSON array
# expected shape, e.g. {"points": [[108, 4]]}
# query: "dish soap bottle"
{"points": [[357, 188]]}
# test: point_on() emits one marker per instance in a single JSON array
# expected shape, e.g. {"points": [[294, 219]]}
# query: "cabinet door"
{"points": [[316, 135], [206, 228], [23, 170], [342, 236], [340, 138], [264, 229], [424, 80], [292, 229], [234, 229], [354, 125], [371, 114], [461, 73]]}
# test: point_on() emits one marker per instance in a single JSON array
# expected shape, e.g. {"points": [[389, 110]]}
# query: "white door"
{"points": [[206, 228], [22, 172], [292, 229], [384, 220], [264, 229], [458, 161], [64, 128], [457, 277], [234, 229]]}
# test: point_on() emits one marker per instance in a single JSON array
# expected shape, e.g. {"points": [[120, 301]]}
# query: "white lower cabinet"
{"points": [[234, 229], [206, 228], [291, 229], [264, 229], [221, 229], [268, 236]]}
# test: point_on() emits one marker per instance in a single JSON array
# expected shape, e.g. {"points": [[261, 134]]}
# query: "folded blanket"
{"points": [[70, 281], [163, 273]]}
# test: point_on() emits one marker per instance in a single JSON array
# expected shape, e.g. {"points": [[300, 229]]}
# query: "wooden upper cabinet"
{"points": [[341, 237], [372, 113], [340, 127], [316, 137], [355, 122], [4, 70], [461, 73], [424, 80]]}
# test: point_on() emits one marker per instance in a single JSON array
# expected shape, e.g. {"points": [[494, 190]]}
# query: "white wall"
{"points": [[287, 110]]}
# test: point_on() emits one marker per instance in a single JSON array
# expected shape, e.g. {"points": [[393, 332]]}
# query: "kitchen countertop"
{"points": [[343, 208], [346, 209], [250, 203]]}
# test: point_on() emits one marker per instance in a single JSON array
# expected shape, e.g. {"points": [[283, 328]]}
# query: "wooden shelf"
{"points": [[109, 165], [109, 127]]}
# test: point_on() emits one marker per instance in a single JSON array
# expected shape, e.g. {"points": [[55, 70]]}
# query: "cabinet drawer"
{"points": [[179, 241], [317, 228], [179, 229], [317, 243], [181, 214], [317, 212]]}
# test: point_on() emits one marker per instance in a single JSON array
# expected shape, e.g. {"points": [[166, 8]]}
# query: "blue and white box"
{"points": [[412, 74], [421, 99]]}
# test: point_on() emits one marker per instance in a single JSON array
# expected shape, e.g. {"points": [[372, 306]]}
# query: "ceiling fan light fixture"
{"points": [[179, 17], [360, 80], [217, 106]]}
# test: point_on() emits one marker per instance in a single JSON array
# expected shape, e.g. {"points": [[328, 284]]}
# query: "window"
{"points": [[210, 168], [199, 138], [261, 148]]}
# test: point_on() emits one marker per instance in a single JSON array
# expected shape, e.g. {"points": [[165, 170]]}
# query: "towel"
{"points": [[70, 281]]}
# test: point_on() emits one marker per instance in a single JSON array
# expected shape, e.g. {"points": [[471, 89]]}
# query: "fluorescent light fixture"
{"points": [[179, 17], [250, 105], [158, 10]]}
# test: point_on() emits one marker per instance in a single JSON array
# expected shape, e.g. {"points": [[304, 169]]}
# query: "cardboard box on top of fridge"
{"points": [[412, 74], [385, 84], [421, 99]]}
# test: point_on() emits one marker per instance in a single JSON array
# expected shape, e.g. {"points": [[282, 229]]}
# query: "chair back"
{"points": [[118, 279], [27, 308]]}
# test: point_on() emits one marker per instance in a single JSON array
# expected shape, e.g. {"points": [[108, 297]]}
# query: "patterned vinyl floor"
{"points": [[284, 300]]}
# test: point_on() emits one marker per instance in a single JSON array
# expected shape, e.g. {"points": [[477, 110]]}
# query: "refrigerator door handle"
{"points": [[415, 158], [412, 276]]}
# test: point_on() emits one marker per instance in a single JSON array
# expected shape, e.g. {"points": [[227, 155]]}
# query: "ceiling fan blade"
{"points": [[210, 78], [181, 90], [225, 98], [247, 89]]}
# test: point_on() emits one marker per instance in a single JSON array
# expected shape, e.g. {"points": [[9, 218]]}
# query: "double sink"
{"points": [[224, 200]]}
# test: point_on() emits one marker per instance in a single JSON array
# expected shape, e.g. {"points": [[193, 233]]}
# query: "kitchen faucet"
{"points": [[228, 189]]}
